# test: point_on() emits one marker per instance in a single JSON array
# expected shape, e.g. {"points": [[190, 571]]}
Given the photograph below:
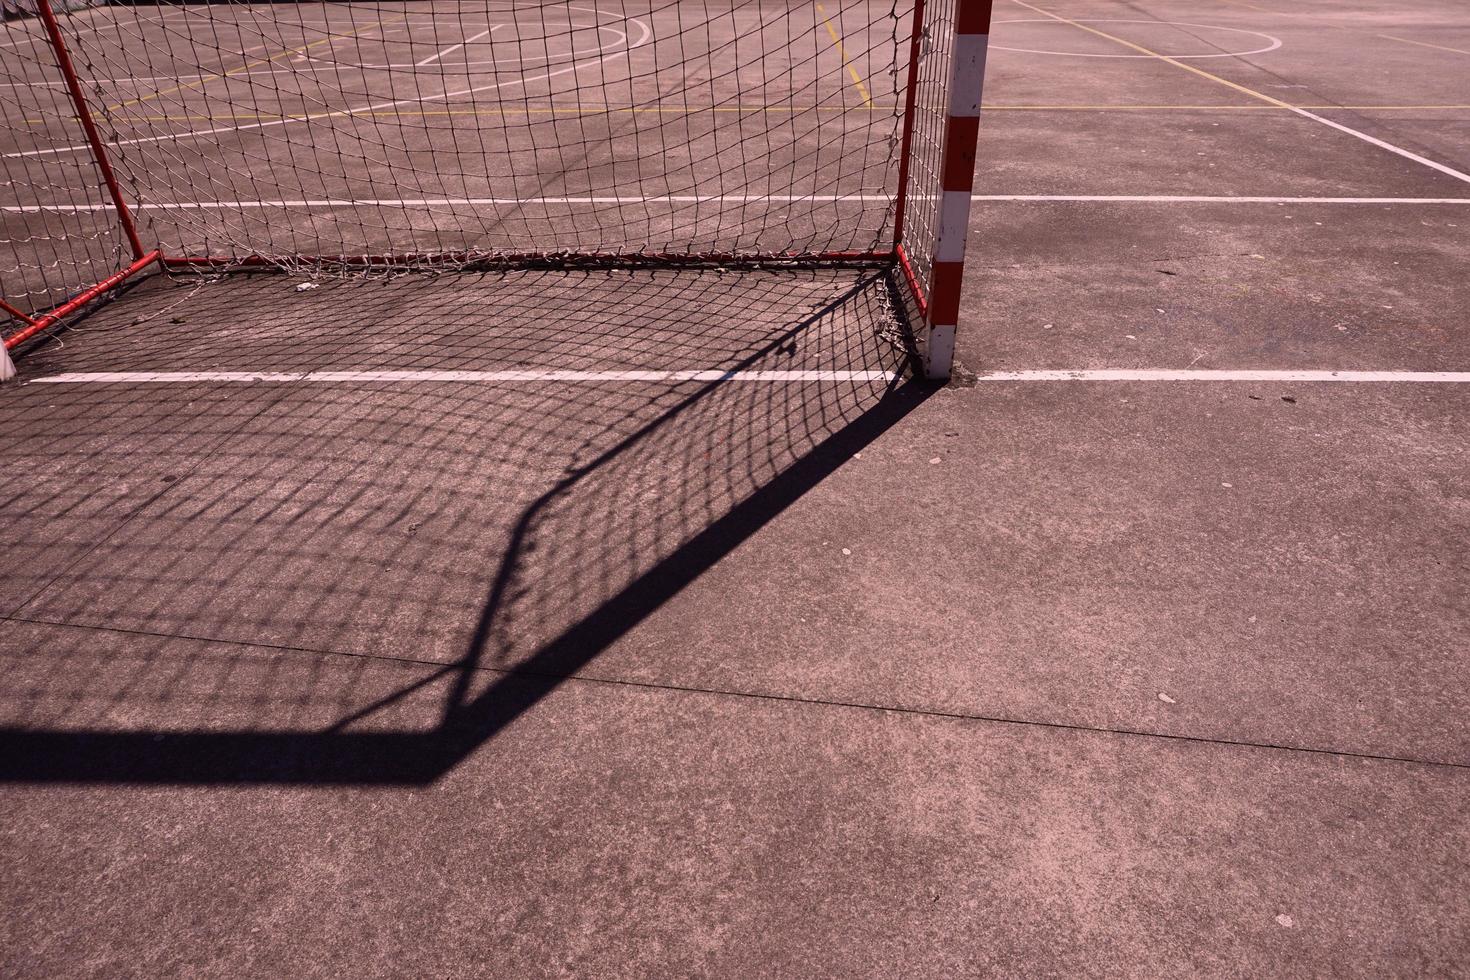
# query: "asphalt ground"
{"points": [[1050, 671]]}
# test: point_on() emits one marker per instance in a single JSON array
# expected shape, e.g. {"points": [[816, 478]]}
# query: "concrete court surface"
{"points": [[1023, 677]]}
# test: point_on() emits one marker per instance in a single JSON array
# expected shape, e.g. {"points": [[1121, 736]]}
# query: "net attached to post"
{"points": [[372, 137], [440, 134]]}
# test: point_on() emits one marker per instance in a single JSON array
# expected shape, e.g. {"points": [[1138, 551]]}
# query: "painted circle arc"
{"points": [[1270, 43]]}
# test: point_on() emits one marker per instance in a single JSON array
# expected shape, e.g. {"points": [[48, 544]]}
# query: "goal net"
{"points": [[446, 134]]}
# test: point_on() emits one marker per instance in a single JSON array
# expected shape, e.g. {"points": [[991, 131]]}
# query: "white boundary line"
{"points": [[1273, 41], [571, 377], [425, 202], [577, 377], [1168, 59], [1146, 374], [1382, 145], [603, 56], [454, 47], [1215, 199], [32, 37]]}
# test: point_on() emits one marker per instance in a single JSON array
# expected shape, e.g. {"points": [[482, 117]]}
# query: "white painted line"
{"points": [[1144, 374], [646, 35], [31, 36], [455, 47], [425, 202], [665, 377], [1425, 44], [1305, 114], [334, 67], [1382, 145], [108, 377], [1215, 199], [569, 377], [1272, 43]]}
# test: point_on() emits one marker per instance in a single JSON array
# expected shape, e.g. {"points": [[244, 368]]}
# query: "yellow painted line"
{"points": [[1425, 44], [1373, 140], [256, 63], [1162, 57], [837, 40]]}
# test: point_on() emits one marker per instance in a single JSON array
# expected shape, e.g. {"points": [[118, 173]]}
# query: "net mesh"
{"points": [[926, 147], [443, 132], [47, 253]]}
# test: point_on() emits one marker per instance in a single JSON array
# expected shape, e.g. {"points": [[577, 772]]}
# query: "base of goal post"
{"points": [[7, 366], [938, 351]]}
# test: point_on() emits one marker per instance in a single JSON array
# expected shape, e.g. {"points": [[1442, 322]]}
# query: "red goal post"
{"points": [[938, 167], [391, 135]]}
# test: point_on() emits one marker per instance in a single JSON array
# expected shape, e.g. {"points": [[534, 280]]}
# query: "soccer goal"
{"points": [[385, 136]]}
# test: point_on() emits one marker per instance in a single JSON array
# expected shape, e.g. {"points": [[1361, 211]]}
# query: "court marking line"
{"points": [[537, 376], [1213, 199], [440, 202], [685, 108], [1230, 375], [523, 61], [115, 25], [716, 376], [1357, 134], [1425, 44], [1274, 42], [455, 47], [510, 110], [1253, 6], [857, 79], [206, 79], [1257, 107], [601, 58], [89, 208], [586, 110]]}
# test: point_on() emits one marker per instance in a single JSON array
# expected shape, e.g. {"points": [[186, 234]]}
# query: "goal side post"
{"points": [[937, 169], [32, 324]]}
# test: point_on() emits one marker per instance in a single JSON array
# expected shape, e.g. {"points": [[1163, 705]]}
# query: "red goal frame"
{"points": [[929, 223]]}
